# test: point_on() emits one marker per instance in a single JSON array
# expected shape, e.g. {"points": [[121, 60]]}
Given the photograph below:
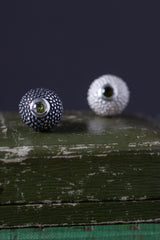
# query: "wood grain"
{"points": [[79, 213], [87, 170]]}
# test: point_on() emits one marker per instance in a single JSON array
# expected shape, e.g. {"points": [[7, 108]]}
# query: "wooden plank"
{"points": [[107, 232], [87, 170], [79, 213], [77, 134], [80, 179]]}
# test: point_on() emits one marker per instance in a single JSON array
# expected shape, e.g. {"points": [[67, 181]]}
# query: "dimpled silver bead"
{"points": [[41, 109], [108, 95]]}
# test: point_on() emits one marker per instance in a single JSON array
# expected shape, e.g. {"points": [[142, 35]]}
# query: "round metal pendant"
{"points": [[108, 95], [41, 109]]}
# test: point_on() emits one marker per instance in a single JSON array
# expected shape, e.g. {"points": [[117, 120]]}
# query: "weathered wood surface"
{"points": [[100, 232], [87, 170], [80, 213]]}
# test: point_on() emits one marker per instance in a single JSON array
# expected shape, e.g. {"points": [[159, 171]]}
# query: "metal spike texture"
{"points": [[50, 119]]}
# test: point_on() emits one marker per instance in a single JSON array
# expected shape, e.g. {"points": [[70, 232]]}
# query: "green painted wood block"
{"points": [[104, 232], [88, 170]]}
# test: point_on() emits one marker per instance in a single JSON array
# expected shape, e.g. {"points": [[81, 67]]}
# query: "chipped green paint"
{"points": [[80, 179], [77, 134], [79, 213], [87, 162], [137, 231]]}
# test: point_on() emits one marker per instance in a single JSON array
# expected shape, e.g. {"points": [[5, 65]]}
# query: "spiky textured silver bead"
{"points": [[41, 109], [108, 95]]}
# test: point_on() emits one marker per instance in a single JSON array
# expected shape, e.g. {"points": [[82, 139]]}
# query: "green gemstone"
{"points": [[108, 92], [39, 107]]}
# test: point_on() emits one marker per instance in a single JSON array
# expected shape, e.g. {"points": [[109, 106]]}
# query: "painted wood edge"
{"points": [[127, 231], [79, 214], [8, 157], [78, 180]]}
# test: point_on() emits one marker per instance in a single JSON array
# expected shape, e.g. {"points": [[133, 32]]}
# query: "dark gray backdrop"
{"points": [[64, 45]]}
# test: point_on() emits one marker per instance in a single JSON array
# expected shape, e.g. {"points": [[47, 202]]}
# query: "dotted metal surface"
{"points": [[41, 123], [110, 106]]}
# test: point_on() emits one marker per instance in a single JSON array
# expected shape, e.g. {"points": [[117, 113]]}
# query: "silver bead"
{"points": [[108, 95], [41, 109]]}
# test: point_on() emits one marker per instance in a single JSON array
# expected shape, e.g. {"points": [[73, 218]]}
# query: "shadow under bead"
{"points": [[41, 109]]}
